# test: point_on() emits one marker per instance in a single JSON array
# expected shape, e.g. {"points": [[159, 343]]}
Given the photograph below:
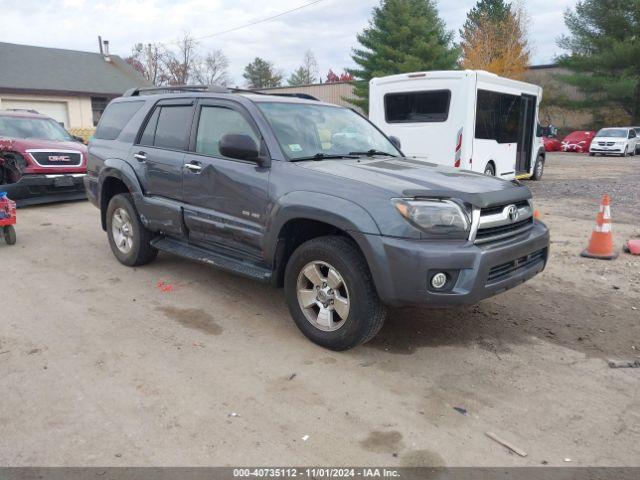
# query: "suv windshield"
{"points": [[307, 131], [612, 132], [26, 127]]}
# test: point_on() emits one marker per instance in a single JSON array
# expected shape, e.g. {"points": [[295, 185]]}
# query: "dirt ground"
{"points": [[100, 367]]}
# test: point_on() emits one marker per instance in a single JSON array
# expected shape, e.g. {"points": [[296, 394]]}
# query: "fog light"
{"points": [[439, 280]]}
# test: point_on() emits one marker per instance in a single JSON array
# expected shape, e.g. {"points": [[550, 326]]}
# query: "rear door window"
{"points": [[168, 127], [417, 107], [115, 118]]}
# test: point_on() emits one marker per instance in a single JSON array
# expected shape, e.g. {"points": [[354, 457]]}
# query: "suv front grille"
{"points": [[500, 223], [506, 270], [56, 158]]}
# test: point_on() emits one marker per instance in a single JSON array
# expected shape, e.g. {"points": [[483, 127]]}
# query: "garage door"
{"points": [[56, 110]]}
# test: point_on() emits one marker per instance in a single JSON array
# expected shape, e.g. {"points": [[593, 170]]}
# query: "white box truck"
{"points": [[468, 119]]}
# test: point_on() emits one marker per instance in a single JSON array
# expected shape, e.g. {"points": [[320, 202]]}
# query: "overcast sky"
{"points": [[328, 28]]}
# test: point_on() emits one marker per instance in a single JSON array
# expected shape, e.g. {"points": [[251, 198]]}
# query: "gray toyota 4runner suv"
{"points": [[309, 196]]}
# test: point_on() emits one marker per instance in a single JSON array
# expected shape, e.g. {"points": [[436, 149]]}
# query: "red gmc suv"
{"points": [[40, 161]]}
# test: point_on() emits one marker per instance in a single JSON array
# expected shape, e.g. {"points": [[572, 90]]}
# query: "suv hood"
{"points": [[410, 178], [610, 139], [23, 144]]}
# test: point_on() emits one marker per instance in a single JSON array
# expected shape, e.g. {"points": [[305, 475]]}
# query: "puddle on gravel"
{"points": [[194, 318], [383, 442]]}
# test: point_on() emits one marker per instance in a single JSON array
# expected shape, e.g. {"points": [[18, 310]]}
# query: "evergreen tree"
{"points": [[402, 36], [604, 55], [261, 74], [494, 38]]}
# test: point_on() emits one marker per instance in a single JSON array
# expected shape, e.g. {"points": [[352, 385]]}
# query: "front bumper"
{"points": [[401, 268], [35, 189], [615, 150]]}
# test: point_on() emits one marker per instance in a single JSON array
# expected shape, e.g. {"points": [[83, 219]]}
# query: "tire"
{"points": [[138, 249], [538, 169], [365, 313], [626, 152], [490, 170], [10, 235], [591, 154]]}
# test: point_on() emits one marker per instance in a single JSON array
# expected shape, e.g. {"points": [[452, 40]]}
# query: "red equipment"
{"points": [[7, 218], [578, 141]]}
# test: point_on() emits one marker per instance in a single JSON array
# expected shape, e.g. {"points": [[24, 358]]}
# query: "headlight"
{"points": [[438, 218]]}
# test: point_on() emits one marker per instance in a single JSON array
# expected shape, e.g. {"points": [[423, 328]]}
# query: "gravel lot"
{"points": [[100, 367]]}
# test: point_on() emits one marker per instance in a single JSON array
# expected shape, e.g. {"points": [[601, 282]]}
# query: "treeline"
{"points": [[602, 52], [184, 61]]}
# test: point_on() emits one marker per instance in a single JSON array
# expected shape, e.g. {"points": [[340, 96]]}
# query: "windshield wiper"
{"points": [[322, 156], [372, 152]]}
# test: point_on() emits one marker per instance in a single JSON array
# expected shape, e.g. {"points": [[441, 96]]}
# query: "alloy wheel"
{"points": [[323, 296], [122, 230]]}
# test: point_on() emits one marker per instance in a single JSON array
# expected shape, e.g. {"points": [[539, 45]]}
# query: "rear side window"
{"points": [[114, 119], [168, 127], [417, 107], [498, 116]]}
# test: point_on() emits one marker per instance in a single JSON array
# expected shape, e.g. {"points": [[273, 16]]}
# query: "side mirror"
{"points": [[540, 131], [239, 146], [396, 142], [77, 139]]}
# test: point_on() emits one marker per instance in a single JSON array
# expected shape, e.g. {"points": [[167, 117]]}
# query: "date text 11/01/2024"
{"points": [[316, 473]]}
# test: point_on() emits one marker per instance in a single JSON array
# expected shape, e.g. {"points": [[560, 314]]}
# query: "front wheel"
{"points": [[538, 169], [128, 238], [330, 293]]}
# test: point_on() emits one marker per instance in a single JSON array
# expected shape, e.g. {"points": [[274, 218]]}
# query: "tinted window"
{"points": [[216, 122], [114, 119], [174, 124], [150, 129], [417, 107], [497, 116]]}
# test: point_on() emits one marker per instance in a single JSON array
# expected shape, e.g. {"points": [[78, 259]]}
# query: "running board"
{"points": [[222, 262]]}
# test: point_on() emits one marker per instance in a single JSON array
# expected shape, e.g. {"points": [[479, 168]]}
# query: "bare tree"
{"points": [[307, 73], [179, 64], [213, 69], [148, 61]]}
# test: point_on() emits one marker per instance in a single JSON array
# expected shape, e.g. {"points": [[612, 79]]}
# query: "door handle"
{"points": [[140, 156], [193, 167]]}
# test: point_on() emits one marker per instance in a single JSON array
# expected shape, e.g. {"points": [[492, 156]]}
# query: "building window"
{"points": [[98, 104]]}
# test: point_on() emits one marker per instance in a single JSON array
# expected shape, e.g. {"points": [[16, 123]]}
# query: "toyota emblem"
{"points": [[513, 213]]}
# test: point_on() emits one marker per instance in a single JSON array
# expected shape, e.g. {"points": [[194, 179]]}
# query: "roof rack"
{"points": [[134, 92]]}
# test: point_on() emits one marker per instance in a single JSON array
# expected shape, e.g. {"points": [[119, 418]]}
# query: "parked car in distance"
{"points": [[578, 141], [39, 160], [309, 196], [468, 119], [637, 129], [621, 141]]}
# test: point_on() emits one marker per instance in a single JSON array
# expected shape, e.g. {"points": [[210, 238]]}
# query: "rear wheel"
{"points": [[490, 170], [538, 169], [128, 238], [9, 235], [331, 295]]}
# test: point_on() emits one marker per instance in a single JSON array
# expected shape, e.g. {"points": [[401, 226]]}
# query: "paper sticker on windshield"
{"points": [[295, 147]]}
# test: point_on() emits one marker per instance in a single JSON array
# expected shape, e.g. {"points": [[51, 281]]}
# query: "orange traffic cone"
{"points": [[601, 242]]}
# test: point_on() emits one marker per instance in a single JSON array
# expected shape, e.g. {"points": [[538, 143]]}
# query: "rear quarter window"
{"points": [[115, 118], [417, 107]]}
